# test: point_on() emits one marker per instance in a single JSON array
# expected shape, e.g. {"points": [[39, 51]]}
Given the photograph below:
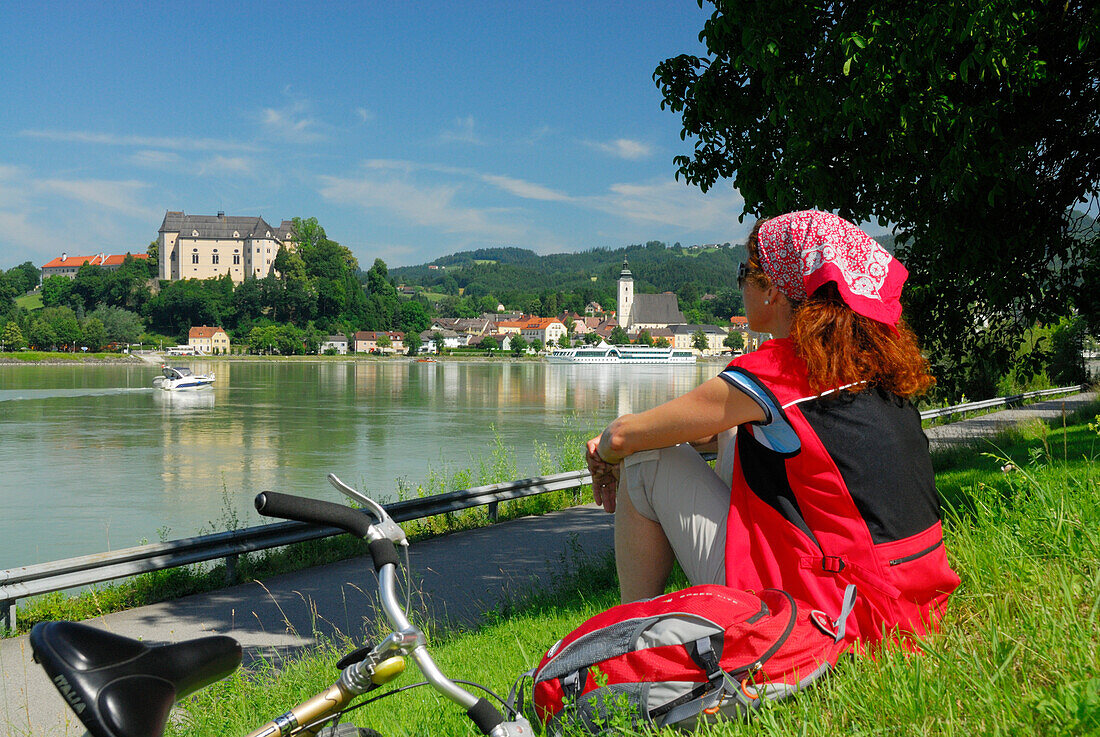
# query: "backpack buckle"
{"points": [[832, 564]]}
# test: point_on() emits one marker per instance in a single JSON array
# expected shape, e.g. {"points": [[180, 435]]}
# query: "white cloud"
{"points": [[235, 165], [433, 206], [111, 139], [462, 132], [365, 116], [155, 159], [292, 123], [25, 240], [526, 190], [518, 187], [103, 194], [674, 204], [623, 148]]}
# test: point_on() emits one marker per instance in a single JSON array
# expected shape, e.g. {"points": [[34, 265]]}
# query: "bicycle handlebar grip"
{"points": [[484, 715], [314, 511]]}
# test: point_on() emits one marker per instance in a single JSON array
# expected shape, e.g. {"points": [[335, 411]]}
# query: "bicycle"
{"points": [[121, 687]]}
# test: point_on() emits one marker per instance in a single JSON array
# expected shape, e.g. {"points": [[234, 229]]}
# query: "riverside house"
{"points": [[208, 340], [366, 341]]}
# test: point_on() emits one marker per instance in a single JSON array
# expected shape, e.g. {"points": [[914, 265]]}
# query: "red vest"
{"points": [[851, 500]]}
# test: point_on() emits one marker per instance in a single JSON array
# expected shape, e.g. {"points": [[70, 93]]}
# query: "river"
{"points": [[92, 458]]}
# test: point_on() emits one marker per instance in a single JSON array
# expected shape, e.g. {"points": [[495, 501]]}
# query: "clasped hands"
{"points": [[605, 475]]}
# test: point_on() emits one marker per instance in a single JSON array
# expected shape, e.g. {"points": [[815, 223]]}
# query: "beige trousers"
{"points": [[677, 489]]}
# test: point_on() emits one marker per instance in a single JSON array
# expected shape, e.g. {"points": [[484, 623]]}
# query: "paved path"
{"points": [[461, 576]]}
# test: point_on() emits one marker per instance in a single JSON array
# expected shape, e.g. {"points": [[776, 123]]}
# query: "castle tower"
{"points": [[626, 296]]}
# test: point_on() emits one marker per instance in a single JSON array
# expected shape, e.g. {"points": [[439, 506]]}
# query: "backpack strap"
{"points": [[515, 696], [572, 684], [849, 603]]}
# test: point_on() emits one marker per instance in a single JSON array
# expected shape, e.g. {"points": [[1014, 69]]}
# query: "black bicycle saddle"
{"points": [[120, 687]]}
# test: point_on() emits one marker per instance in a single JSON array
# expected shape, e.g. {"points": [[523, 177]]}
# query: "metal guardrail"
{"points": [[1000, 401], [41, 578]]}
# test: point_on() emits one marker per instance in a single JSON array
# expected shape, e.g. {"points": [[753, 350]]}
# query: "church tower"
{"points": [[626, 296]]}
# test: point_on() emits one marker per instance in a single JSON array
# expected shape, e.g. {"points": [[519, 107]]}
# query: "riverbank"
{"points": [[50, 358]]}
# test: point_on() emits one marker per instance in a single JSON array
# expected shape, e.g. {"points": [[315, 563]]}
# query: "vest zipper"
{"points": [[914, 556]]}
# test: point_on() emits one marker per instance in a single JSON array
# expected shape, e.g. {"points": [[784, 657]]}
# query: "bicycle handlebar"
{"points": [[383, 551], [284, 506]]}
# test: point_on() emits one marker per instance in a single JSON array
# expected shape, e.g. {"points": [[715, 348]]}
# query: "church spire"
{"points": [[625, 273]]}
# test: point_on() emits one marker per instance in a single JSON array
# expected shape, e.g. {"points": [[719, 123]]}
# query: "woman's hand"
{"points": [[605, 476]]}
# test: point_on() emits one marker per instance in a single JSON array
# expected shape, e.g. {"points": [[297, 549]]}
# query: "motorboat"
{"points": [[181, 377]]}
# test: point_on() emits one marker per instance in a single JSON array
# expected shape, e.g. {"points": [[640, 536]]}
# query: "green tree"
{"points": [[489, 343], [661, 342], [735, 341], [437, 341], [413, 343], [644, 338], [699, 341], [56, 291], [413, 318], [41, 336], [121, 326], [64, 326], [12, 337], [911, 114], [518, 345], [384, 342], [93, 334], [618, 336]]}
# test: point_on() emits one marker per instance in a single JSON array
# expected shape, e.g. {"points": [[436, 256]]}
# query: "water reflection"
{"points": [[101, 456], [185, 400]]}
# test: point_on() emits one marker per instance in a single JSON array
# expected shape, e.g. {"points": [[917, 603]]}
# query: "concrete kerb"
{"points": [[460, 577]]}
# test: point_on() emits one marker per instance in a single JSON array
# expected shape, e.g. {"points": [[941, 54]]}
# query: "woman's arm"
{"points": [[708, 409]]}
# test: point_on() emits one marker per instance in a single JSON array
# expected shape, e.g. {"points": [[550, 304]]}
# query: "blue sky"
{"points": [[408, 129]]}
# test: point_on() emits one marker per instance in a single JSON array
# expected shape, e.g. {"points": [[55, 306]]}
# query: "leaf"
{"points": [[847, 67]]}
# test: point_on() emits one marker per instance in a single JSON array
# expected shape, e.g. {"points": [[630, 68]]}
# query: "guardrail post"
{"points": [[7, 615], [493, 510], [231, 569]]}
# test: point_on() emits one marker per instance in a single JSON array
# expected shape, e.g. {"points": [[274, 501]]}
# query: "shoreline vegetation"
{"points": [[1016, 652]]}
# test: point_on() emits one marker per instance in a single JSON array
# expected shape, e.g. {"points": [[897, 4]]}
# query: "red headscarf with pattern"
{"points": [[801, 251]]}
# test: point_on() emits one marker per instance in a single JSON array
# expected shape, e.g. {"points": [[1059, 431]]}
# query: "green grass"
{"points": [[29, 301], [77, 357], [1018, 652]]}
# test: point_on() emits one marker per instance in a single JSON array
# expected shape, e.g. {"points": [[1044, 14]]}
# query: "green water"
{"points": [[92, 458]]}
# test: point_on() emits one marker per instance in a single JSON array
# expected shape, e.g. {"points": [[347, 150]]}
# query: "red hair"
{"points": [[841, 347]]}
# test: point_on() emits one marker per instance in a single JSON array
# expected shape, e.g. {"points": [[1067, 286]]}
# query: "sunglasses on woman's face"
{"points": [[742, 272]]}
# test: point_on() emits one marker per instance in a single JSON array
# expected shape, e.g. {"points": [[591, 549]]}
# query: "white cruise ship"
{"points": [[622, 354]]}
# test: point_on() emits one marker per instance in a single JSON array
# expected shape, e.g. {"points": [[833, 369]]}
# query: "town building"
{"points": [[684, 337], [209, 246], [547, 330], [367, 341], [68, 265], [208, 340], [450, 338], [337, 343], [645, 311]]}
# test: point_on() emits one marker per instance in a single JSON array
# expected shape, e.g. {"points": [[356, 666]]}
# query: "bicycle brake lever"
{"points": [[387, 528]]}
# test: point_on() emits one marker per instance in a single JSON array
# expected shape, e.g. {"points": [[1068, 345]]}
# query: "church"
{"points": [[645, 311]]}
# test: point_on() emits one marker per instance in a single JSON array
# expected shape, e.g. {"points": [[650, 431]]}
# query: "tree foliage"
{"points": [[972, 127]]}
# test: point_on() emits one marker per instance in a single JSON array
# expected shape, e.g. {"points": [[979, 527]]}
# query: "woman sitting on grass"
{"points": [[831, 482]]}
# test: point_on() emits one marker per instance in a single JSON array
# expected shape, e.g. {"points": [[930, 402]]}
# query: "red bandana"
{"points": [[800, 251]]}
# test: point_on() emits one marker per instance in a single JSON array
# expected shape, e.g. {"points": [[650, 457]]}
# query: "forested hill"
{"points": [[656, 266]]}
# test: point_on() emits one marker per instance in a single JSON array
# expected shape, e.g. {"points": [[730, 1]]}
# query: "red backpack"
{"points": [[705, 649]]}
